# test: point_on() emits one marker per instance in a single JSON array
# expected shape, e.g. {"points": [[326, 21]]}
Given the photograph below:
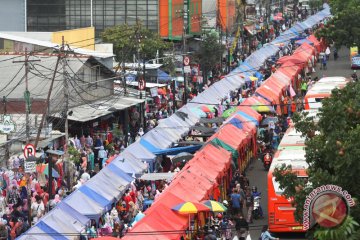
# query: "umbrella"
{"points": [[44, 168], [205, 108], [182, 157], [228, 112], [198, 112], [161, 91], [215, 206], [263, 108], [212, 108], [137, 218], [253, 78], [269, 119], [190, 207]]}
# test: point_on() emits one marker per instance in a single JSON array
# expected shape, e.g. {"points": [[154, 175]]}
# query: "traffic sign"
{"points": [[186, 61], [29, 150], [30, 166], [141, 84], [187, 69]]}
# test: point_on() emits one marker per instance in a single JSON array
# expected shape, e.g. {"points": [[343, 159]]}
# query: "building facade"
{"points": [[12, 15], [56, 15]]}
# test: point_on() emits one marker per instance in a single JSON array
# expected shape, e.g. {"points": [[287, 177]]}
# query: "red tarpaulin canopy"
{"points": [[164, 219], [316, 42], [289, 70], [249, 127], [249, 111], [231, 135]]}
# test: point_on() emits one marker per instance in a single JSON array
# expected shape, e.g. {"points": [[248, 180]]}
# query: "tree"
{"points": [[344, 28], [128, 40], [333, 155], [210, 50]]}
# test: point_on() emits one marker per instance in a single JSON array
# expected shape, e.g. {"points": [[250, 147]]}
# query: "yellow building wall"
{"points": [[79, 38]]}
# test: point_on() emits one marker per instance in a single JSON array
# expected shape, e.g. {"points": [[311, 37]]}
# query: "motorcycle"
{"points": [[267, 161], [257, 213]]}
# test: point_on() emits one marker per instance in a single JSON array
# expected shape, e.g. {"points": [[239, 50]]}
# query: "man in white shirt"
{"points": [[37, 209]]}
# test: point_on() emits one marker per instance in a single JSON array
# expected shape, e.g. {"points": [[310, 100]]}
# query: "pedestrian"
{"points": [[91, 159], [324, 61], [235, 201], [101, 156], [89, 141], [241, 227], [210, 235], [303, 88], [327, 53], [77, 143], [265, 234], [37, 209]]}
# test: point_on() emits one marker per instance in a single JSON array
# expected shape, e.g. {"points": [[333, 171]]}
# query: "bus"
{"points": [[291, 152], [322, 89]]}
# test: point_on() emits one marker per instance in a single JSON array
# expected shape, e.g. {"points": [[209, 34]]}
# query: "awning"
{"points": [[168, 151], [96, 109], [147, 85], [47, 141], [212, 120], [157, 176]]}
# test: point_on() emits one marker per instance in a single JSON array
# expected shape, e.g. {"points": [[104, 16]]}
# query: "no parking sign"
{"points": [[29, 150]]}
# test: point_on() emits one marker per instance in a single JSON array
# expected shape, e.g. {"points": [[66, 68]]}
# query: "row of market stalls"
{"points": [[224, 149], [232, 144]]}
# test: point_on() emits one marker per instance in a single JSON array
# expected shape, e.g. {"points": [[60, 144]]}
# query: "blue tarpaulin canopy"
{"points": [[169, 151], [163, 76], [236, 122], [299, 42]]}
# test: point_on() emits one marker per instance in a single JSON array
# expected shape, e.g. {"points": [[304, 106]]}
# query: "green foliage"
{"points": [[169, 65], [74, 155], [210, 51], [344, 28], [346, 231], [128, 40], [315, 4], [333, 155]]}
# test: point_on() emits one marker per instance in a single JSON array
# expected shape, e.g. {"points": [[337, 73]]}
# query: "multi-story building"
{"points": [[163, 16]]}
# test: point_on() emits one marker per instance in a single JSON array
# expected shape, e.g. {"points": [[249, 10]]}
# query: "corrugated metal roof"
{"points": [[100, 108], [39, 77]]}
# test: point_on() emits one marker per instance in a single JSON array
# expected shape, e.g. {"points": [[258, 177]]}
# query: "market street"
{"points": [[256, 172]]}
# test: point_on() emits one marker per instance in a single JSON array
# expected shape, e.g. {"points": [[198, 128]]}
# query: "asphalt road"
{"points": [[257, 174]]}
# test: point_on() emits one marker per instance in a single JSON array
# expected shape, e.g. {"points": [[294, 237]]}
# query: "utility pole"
{"points": [[47, 103], [27, 93], [183, 65], [218, 22], [66, 96], [228, 51], [27, 109]]}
